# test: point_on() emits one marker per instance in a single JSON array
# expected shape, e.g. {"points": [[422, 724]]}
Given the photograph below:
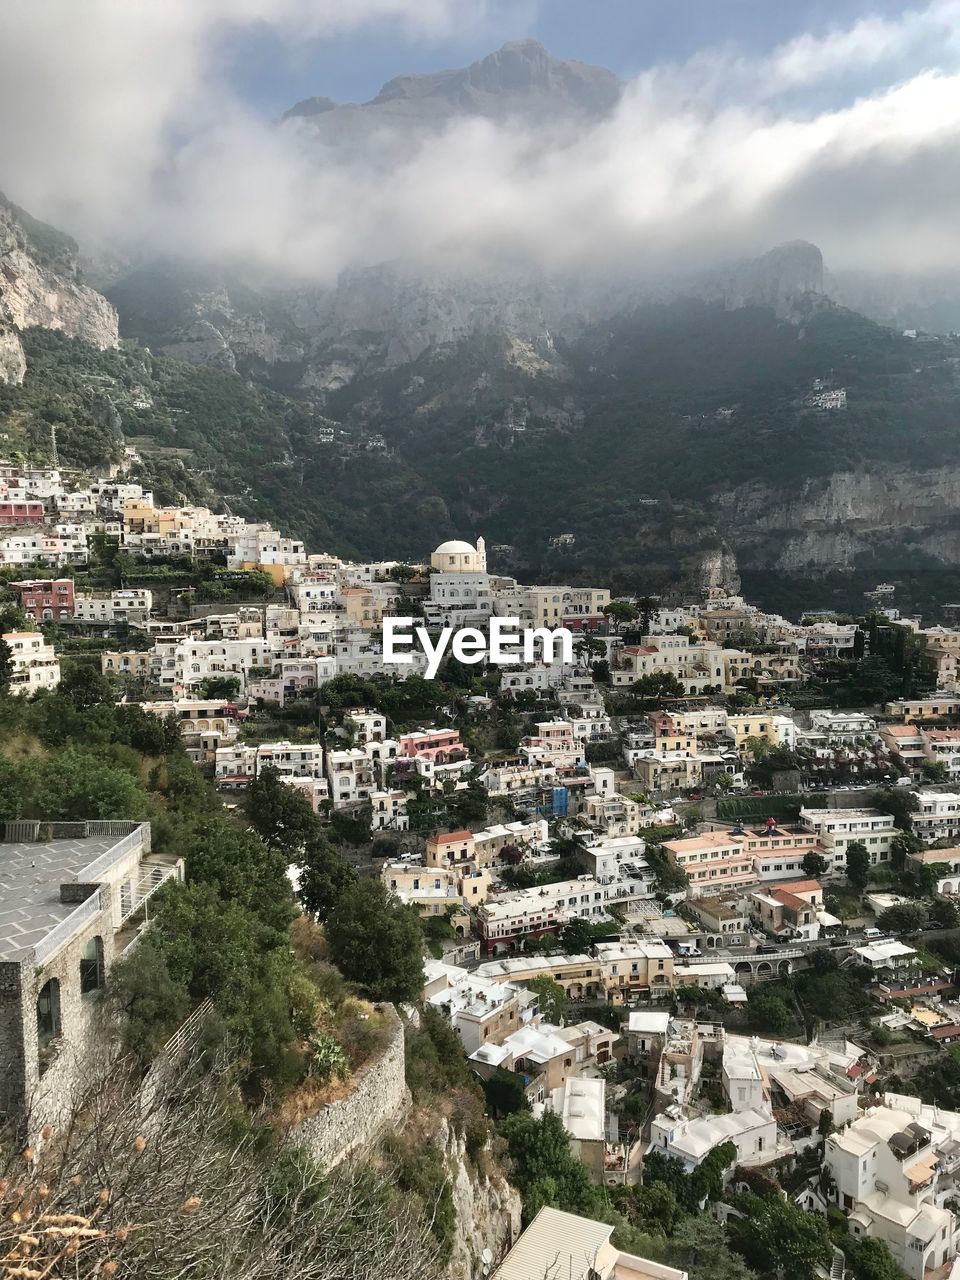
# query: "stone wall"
{"points": [[378, 1101]]}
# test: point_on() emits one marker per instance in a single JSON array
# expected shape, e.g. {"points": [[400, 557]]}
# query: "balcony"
{"points": [[131, 910]]}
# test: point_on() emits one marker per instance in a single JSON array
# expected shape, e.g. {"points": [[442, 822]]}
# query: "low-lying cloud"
{"points": [[119, 122]]}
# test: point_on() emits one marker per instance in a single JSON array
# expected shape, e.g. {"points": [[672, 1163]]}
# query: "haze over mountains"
{"points": [[658, 408]]}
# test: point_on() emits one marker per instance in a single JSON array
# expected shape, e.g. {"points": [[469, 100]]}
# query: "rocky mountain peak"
{"points": [[520, 80], [521, 69], [41, 285]]}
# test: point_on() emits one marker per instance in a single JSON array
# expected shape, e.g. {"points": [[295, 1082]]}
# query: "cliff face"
{"points": [[40, 285], [829, 523], [487, 1211]]}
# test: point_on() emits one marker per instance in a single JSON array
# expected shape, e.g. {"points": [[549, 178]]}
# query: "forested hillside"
{"points": [[654, 441]]}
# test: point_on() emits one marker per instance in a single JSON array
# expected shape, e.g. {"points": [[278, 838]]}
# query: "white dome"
{"points": [[455, 548]]}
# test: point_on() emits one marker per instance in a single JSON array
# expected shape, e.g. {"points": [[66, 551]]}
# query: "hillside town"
{"points": [[692, 893]]}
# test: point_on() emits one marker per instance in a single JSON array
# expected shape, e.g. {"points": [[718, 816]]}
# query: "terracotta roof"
{"points": [[452, 837], [946, 1032]]}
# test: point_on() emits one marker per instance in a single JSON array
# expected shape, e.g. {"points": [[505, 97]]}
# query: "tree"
{"points": [[151, 1003], [225, 687], [84, 686], [814, 865], [657, 686], [553, 999], [281, 815], [770, 1011], [858, 864], [903, 844], [544, 1169], [699, 1246], [903, 918], [900, 802], [945, 913], [6, 666], [324, 878], [244, 870], [935, 771], [775, 1237], [620, 611], [377, 941], [505, 1093], [871, 1259], [576, 936], [758, 748]]}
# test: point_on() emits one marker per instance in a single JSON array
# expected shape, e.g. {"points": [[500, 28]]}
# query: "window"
{"points": [[91, 967], [48, 1014]]}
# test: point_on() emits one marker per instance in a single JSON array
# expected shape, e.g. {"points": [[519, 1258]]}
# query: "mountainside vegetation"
{"points": [[640, 442]]}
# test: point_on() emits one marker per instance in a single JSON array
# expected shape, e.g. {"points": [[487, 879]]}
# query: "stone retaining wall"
{"points": [[378, 1101]]}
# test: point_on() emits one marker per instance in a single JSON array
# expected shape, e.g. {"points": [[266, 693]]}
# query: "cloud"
{"points": [[126, 129]]}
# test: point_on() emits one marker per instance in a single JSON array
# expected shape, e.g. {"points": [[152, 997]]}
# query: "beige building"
{"points": [[568, 1247]]}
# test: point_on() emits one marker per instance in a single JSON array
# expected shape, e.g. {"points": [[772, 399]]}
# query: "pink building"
{"points": [[12, 513], [438, 745]]}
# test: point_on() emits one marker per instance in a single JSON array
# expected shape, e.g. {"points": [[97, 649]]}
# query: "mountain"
{"points": [[41, 285], [652, 432], [520, 80]]}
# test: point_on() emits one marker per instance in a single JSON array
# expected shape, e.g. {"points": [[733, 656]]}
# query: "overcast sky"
{"points": [[743, 123]]}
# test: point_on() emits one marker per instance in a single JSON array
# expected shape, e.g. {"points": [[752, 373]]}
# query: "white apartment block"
{"points": [[510, 916], [753, 1132], [130, 605], [351, 775], [535, 679], [247, 760], [699, 666], [194, 661], [837, 829], [844, 728], [35, 663], [938, 815], [367, 726], [553, 743], [894, 1171]]}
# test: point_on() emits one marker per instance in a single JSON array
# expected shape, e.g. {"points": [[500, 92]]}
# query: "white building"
{"points": [[893, 1171], [844, 728], [837, 829], [248, 760], [129, 605], [35, 663], [389, 811], [546, 907], [352, 777], [937, 816], [753, 1132]]}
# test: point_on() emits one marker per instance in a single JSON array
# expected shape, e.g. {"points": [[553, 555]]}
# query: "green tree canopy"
{"points": [[377, 942]]}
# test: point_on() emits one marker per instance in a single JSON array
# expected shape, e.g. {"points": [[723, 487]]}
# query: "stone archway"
{"points": [[764, 969], [784, 967], [743, 969]]}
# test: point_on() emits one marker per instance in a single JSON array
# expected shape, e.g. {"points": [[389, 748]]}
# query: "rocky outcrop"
{"points": [[487, 1210], [13, 363], [828, 522], [788, 280], [41, 285]]}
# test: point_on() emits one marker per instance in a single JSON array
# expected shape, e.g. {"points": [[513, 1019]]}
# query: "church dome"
{"points": [[455, 548]]}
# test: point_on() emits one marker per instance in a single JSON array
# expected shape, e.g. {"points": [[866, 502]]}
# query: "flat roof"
{"points": [[31, 874]]}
